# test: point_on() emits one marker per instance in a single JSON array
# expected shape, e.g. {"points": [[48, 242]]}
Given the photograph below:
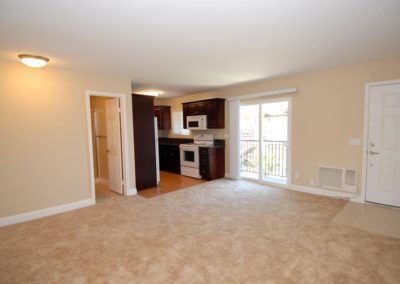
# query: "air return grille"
{"points": [[337, 178]]}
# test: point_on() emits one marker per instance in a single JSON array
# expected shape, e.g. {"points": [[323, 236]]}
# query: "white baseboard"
{"points": [[358, 199], [131, 191], [320, 191], [308, 189], [45, 212]]}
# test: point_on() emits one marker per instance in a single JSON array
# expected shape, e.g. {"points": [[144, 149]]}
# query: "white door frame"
{"points": [[289, 154], [362, 196], [124, 137]]}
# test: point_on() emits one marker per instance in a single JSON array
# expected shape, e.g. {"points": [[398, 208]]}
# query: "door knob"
{"points": [[373, 153]]}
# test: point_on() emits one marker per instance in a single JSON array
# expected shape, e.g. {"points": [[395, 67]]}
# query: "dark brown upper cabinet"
{"points": [[163, 114], [213, 108], [197, 108]]}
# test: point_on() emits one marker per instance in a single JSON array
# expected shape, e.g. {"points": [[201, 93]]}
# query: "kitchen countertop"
{"points": [[218, 143], [211, 146], [174, 141]]}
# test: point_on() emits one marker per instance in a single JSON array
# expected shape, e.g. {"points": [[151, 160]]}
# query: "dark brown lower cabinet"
{"points": [[212, 162], [144, 141], [169, 158]]}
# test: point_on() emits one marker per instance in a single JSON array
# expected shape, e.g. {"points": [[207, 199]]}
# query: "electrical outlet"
{"points": [[312, 182], [296, 175]]}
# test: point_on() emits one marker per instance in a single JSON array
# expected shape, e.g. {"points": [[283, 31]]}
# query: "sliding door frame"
{"points": [[260, 125]]}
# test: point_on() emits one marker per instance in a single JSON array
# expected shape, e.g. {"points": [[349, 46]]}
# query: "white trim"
{"points": [[94, 122], [124, 137], [290, 115], [382, 83], [320, 191], [305, 189], [234, 139], [45, 212], [289, 153], [260, 142], [131, 191], [361, 198], [264, 94]]}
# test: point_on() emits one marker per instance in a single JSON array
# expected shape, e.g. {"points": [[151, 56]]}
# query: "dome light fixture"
{"points": [[153, 93], [34, 61]]}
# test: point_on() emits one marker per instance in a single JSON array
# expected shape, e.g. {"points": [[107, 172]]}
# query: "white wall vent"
{"points": [[337, 178]]}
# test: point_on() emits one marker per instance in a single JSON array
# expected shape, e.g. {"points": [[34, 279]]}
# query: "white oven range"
{"points": [[189, 154]]}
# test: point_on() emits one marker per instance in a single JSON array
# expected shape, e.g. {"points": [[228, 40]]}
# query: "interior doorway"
{"points": [[265, 140], [107, 144]]}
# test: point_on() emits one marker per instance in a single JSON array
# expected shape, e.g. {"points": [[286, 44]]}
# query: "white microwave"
{"points": [[196, 122]]}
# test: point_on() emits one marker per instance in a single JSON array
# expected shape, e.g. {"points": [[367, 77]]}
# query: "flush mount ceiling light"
{"points": [[34, 61], [150, 93]]}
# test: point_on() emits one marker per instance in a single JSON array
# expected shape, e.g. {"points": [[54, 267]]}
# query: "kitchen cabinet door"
{"points": [[169, 158], [213, 108], [163, 114], [212, 162]]}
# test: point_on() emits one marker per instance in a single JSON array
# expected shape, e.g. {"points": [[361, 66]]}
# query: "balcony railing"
{"points": [[273, 160]]}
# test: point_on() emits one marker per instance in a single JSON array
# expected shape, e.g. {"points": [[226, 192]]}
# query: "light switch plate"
{"points": [[355, 141]]}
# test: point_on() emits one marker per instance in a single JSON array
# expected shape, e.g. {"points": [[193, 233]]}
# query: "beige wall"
{"points": [[44, 140], [327, 112], [44, 156]]}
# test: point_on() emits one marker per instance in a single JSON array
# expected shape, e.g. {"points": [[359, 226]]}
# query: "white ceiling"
{"points": [[185, 46]]}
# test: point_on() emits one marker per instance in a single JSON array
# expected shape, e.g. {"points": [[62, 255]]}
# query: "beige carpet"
{"points": [[373, 218], [217, 232]]}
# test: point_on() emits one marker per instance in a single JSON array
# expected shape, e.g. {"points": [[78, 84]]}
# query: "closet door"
{"points": [[114, 148]]}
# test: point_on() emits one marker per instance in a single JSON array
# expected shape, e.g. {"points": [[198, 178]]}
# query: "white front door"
{"points": [[113, 124], [383, 162]]}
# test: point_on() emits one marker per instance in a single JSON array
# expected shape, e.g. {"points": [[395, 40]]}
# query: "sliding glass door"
{"points": [[250, 141], [264, 140]]}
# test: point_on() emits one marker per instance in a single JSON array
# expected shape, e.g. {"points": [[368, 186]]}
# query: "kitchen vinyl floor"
{"points": [[374, 218], [103, 192], [170, 182]]}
